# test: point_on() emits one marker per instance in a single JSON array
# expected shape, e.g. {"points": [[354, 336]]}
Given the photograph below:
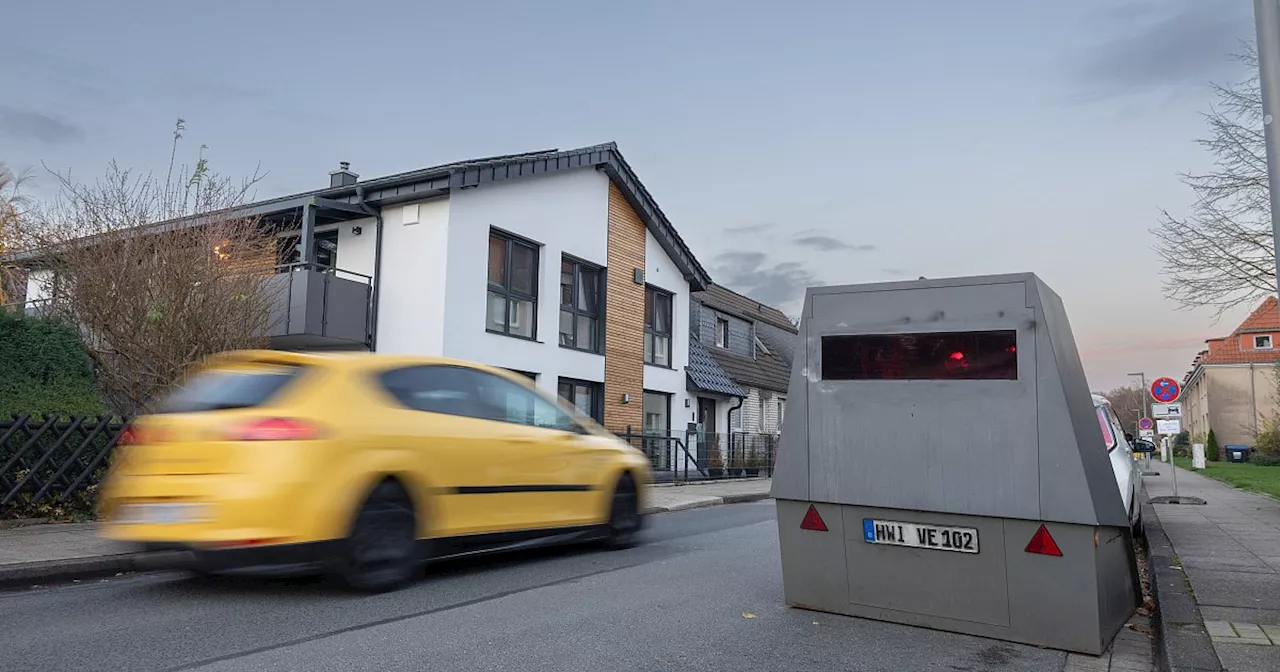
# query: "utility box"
{"points": [[942, 466]]}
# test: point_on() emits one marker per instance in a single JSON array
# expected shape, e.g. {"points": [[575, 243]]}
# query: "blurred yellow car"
{"points": [[365, 466]]}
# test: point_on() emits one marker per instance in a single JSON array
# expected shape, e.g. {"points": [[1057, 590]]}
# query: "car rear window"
{"points": [[221, 389]]}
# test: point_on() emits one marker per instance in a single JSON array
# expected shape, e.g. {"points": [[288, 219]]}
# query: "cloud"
{"points": [[895, 271], [748, 229], [1167, 45], [829, 244], [750, 273], [28, 124]]}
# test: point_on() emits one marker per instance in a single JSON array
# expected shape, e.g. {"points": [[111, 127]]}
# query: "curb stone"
{"points": [[29, 574], [1182, 642], [711, 501], [34, 573]]}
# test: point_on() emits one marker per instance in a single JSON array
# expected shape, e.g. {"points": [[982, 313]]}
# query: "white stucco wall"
{"points": [[415, 263], [661, 271], [566, 213]]}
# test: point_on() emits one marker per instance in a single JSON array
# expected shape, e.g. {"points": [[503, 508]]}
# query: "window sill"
{"points": [[582, 350], [531, 339], [660, 366]]}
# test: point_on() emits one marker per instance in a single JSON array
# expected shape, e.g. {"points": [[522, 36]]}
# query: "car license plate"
{"points": [[919, 535], [159, 514]]}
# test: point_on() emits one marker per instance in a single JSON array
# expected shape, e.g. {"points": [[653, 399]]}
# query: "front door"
{"points": [[707, 418]]}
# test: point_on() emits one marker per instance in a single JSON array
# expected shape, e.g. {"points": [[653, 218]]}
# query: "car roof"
{"points": [[1099, 400]]}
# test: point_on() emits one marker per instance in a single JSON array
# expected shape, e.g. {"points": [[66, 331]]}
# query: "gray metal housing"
{"points": [[1001, 456]]}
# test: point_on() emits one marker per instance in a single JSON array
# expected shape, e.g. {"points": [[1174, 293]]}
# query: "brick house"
{"points": [[1232, 385]]}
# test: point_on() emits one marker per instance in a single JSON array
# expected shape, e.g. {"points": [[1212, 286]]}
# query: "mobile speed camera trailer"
{"points": [[942, 466]]}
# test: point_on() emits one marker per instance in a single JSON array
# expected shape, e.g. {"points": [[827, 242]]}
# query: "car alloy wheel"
{"points": [[379, 553]]}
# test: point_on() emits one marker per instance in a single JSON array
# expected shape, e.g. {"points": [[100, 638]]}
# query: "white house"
{"points": [[558, 265]]}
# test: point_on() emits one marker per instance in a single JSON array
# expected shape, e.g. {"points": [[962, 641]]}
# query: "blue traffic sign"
{"points": [[1145, 424], [1165, 390]]}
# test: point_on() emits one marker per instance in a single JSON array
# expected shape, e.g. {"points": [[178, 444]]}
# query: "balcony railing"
{"points": [[320, 307]]}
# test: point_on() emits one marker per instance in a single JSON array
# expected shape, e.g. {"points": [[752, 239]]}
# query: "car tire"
{"points": [[1140, 527], [380, 552], [625, 518]]}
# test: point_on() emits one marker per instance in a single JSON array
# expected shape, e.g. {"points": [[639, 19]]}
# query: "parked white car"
{"points": [[1120, 450]]}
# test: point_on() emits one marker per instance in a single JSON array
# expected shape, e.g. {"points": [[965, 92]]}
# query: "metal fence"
{"points": [[680, 456], [52, 465]]}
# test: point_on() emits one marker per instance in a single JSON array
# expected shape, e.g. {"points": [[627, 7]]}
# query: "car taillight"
{"points": [[128, 437], [275, 429]]}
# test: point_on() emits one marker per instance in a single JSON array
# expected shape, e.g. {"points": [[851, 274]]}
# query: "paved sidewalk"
{"points": [[67, 551], [679, 497], [1229, 549]]}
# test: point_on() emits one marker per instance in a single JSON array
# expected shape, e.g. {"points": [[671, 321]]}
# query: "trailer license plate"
{"points": [[919, 535]]}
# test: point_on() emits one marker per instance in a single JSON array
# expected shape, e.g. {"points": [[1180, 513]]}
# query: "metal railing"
{"points": [[53, 464], [682, 456]]}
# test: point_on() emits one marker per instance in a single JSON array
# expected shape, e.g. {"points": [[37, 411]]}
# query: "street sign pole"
{"points": [[1266, 17]]}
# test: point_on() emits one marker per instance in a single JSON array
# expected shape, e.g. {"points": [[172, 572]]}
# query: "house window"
{"points": [[782, 404], [585, 396], [722, 332], [579, 305], [1262, 342], [657, 327], [513, 286]]}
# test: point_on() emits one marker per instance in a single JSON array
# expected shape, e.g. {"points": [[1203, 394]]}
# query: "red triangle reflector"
{"points": [[812, 521], [1042, 542]]}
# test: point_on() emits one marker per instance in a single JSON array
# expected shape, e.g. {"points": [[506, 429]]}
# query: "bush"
{"points": [[1182, 439], [1265, 460], [1267, 442], [44, 368], [1211, 447]]}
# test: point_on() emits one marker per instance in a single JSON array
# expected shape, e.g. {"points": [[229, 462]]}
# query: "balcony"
{"points": [[319, 308]]}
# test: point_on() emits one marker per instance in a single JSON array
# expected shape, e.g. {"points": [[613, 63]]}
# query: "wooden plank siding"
{"points": [[624, 317]]}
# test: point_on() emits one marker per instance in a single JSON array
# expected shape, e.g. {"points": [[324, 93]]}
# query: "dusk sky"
{"points": [[791, 144]]}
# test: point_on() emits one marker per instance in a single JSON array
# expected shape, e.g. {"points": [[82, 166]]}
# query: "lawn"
{"points": [[1243, 476]]}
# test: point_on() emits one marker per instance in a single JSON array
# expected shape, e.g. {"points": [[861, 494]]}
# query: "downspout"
{"points": [[729, 417], [377, 267]]}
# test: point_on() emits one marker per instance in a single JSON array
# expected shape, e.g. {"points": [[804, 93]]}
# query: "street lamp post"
{"points": [[1266, 18], [1146, 413]]}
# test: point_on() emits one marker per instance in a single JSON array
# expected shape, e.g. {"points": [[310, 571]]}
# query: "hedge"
{"points": [[44, 368]]}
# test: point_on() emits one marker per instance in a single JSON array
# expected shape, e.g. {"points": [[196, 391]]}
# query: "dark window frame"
{"points": [[597, 402], [722, 335], [581, 266], [506, 290], [650, 305]]}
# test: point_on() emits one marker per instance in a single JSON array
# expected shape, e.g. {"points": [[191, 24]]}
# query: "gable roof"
{"points": [[705, 373], [726, 300], [440, 180], [1227, 349], [767, 371]]}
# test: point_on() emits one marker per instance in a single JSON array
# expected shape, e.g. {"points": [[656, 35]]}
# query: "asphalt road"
{"points": [[681, 601]]}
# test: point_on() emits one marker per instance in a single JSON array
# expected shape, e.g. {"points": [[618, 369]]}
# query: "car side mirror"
{"points": [[1128, 437], [1144, 446]]}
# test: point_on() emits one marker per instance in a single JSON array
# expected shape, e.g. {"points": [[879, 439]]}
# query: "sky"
{"points": [[791, 144]]}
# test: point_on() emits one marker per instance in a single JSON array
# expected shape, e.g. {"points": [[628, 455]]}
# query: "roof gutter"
{"points": [[377, 267]]}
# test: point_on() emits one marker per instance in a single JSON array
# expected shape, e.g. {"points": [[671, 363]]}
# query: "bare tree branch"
{"points": [[152, 300], [1222, 254]]}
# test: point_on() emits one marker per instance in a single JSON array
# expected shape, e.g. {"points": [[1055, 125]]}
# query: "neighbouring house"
{"points": [[1232, 385], [558, 265], [740, 368]]}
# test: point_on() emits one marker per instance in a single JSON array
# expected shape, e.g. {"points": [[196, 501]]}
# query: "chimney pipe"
{"points": [[343, 177]]}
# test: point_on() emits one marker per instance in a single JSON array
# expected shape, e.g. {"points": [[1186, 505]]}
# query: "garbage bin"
{"points": [[1237, 453]]}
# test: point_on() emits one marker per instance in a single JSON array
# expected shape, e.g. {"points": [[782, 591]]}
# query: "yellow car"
{"points": [[366, 466]]}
